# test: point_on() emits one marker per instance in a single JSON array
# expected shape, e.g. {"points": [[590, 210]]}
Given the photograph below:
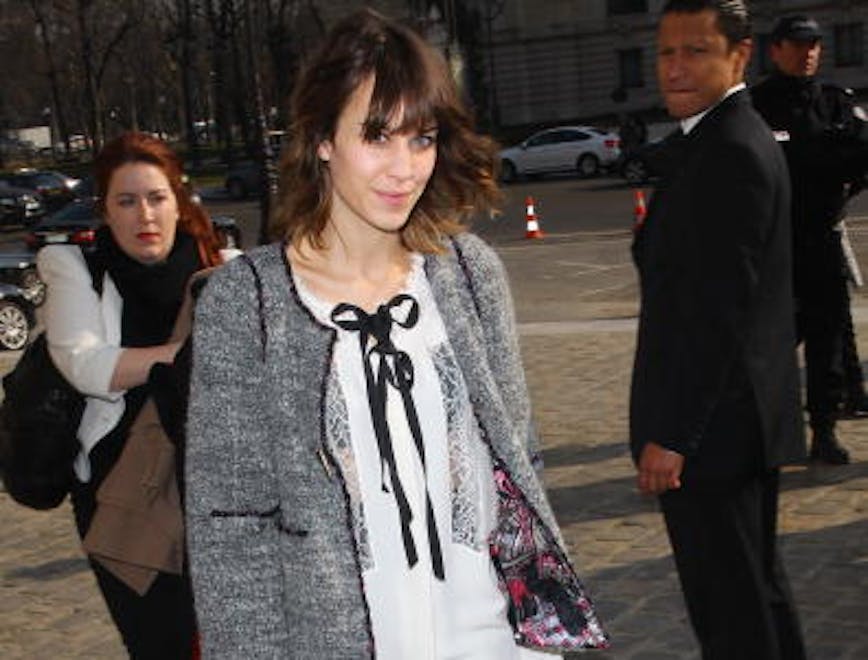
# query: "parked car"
{"points": [[13, 148], [228, 231], [84, 187], [581, 149], [56, 189], [19, 206], [16, 317], [19, 268], [77, 222], [243, 179], [646, 162]]}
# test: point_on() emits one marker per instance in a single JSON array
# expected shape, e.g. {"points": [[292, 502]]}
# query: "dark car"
{"points": [[56, 189], [16, 317], [228, 231], [19, 206], [84, 187], [19, 268], [77, 222], [648, 161], [12, 148], [243, 179]]}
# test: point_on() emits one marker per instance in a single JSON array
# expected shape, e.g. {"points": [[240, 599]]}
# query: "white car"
{"points": [[580, 149]]}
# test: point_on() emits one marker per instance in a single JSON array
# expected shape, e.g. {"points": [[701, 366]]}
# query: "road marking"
{"points": [[593, 267], [585, 238], [628, 324], [605, 289], [549, 328], [856, 218]]}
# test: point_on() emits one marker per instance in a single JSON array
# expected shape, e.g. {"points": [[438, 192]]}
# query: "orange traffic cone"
{"points": [[639, 209], [533, 229]]}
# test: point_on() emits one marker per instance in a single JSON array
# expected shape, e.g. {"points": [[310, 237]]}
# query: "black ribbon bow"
{"points": [[396, 369]]}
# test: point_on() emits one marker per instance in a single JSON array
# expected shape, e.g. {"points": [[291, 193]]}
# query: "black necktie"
{"points": [[396, 369]]}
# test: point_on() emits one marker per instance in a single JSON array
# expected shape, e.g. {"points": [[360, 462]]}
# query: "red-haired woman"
{"points": [[153, 239]]}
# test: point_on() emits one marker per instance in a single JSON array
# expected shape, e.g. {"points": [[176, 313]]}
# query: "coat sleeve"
{"points": [[232, 501], [74, 322], [843, 149], [497, 315], [706, 302]]}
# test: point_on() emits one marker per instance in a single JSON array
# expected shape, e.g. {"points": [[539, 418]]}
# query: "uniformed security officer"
{"points": [[825, 143]]}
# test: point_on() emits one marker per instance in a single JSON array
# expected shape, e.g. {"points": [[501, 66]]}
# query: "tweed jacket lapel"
{"points": [[293, 342]]}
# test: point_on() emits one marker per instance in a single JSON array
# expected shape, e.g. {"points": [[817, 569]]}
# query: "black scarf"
{"points": [[152, 293], [152, 296]]}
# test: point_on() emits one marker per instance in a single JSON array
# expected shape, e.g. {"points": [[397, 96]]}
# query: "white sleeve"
{"points": [[74, 322]]}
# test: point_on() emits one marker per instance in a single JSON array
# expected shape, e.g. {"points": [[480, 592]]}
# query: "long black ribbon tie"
{"points": [[396, 369]]}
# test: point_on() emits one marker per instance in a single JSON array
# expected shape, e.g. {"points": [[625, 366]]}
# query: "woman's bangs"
{"points": [[403, 99]]}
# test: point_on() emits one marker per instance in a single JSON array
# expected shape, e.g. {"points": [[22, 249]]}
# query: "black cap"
{"points": [[797, 28]]}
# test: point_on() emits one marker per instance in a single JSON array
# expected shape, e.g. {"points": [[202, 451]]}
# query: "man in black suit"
{"points": [[714, 405]]}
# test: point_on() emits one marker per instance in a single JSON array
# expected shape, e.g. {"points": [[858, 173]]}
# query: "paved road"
{"points": [[565, 206], [575, 297]]}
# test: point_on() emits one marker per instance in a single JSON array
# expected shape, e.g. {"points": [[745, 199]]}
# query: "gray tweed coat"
{"points": [[273, 555]]}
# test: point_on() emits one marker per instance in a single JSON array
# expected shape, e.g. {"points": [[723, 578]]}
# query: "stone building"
{"points": [[556, 61]]}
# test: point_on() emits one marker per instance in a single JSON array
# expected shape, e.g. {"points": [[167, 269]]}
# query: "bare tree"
{"points": [[25, 92], [46, 35], [221, 17], [280, 19], [265, 153], [182, 35], [291, 26], [101, 28]]}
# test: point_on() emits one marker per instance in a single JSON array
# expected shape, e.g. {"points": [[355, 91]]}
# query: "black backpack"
{"points": [[39, 421]]}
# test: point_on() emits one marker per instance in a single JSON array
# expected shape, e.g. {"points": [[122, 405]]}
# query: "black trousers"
{"points": [[854, 378], [159, 625], [723, 536], [822, 314]]}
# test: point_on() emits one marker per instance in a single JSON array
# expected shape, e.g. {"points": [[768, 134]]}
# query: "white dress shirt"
{"points": [[689, 123]]}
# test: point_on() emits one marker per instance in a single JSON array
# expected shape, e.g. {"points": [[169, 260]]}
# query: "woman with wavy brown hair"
{"points": [[109, 316], [361, 461]]}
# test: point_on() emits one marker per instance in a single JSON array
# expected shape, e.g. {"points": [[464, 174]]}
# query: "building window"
{"points": [[630, 68], [849, 44], [618, 7]]}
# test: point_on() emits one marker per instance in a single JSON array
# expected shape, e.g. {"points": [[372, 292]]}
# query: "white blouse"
{"points": [[413, 613]]}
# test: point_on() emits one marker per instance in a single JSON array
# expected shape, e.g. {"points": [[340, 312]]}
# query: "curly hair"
{"points": [[135, 147], [411, 79]]}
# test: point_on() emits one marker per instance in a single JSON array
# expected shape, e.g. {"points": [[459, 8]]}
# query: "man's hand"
{"points": [[659, 469]]}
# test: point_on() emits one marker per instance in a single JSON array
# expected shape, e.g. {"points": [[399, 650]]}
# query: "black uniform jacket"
{"points": [[715, 374], [826, 147]]}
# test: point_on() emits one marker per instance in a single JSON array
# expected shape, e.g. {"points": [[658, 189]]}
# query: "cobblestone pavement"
{"points": [[579, 375]]}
